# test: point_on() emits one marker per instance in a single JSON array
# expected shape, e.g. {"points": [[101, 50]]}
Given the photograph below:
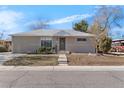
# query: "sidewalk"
{"points": [[62, 68]]}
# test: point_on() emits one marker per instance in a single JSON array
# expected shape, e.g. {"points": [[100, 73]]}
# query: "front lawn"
{"points": [[33, 61], [92, 60]]}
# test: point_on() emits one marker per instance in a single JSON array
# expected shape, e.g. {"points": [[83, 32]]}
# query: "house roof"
{"points": [[49, 32], [118, 40]]}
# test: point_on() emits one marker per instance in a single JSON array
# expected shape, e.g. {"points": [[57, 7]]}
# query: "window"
{"points": [[46, 43], [81, 39]]}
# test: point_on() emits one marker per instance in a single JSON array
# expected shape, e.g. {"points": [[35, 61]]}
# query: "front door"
{"points": [[62, 43]]}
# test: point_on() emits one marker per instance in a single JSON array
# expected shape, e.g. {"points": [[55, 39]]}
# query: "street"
{"points": [[59, 76], [61, 79]]}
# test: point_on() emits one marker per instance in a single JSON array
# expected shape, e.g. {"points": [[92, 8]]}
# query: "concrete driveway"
{"points": [[52, 77], [7, 56]]}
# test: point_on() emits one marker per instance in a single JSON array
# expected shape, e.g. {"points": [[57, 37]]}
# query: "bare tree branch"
{"points": [[39, 24]]}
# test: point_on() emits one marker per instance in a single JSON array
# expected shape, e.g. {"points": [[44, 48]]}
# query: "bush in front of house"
{"points": [[41, 50], [44, 50], [48, 50], [3, 49], [105, 44]]}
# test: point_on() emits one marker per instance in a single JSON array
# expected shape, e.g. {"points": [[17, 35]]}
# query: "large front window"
{"points": [[46, 43]]}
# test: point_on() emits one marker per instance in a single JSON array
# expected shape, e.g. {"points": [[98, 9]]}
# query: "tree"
{"points": [[105, 44], [104, 19], [81, 26], [108, 17], [39, 24]]}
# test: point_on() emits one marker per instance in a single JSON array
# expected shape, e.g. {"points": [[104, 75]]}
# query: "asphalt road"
{"points": [[61, 79]]}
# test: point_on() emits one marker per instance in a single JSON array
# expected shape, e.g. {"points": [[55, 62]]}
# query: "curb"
{"points": [[62, 68]]}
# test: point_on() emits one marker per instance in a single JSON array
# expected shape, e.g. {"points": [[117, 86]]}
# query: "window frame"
{"points": [[81, 39], [46, 43]]}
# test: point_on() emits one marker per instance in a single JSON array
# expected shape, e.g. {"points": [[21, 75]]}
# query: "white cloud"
{"points": [[9, 21], [108, 6], [69, 19], [98, 7]]}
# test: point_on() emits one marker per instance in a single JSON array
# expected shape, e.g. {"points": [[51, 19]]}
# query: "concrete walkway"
{"points": [[62, 60], [62, 68]]}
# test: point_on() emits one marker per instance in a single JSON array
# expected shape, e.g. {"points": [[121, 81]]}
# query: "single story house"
{"points": [[64, 40]]}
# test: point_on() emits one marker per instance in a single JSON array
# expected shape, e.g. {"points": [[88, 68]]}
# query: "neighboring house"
{"points": [[63, 40], [118, 45], [6, 44]]}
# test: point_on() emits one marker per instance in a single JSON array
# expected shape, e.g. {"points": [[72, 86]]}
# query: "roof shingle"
{"points": [[50, 32]]}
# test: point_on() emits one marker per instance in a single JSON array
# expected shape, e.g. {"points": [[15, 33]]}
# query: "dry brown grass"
{"points": [[33, 61], [89, 60]]}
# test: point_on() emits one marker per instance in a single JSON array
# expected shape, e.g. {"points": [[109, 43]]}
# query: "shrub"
{"points": [[3, 49], [48, 50], [44, 50], [40, 50], [105, 44]]}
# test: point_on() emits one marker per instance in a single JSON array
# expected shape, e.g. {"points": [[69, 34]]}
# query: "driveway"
{"points": [[7, 56], [47, 77]]}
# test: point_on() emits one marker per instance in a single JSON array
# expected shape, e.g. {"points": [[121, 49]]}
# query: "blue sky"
{"points": [[15, 19]]}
